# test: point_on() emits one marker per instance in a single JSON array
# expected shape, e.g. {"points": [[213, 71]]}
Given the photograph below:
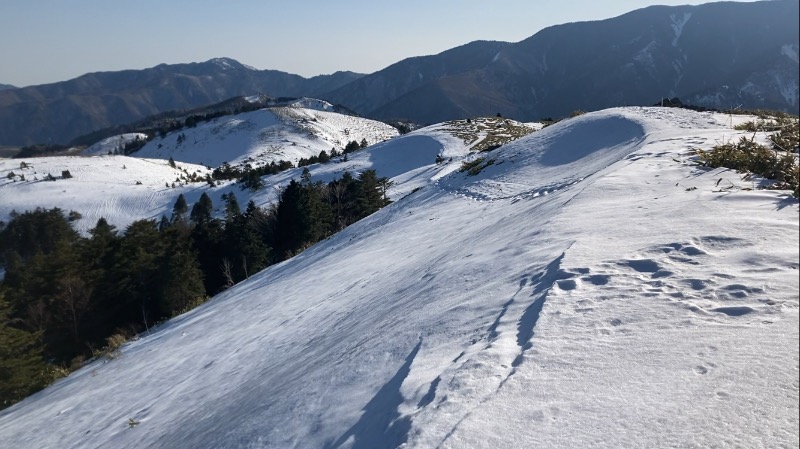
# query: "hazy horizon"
{"points": [[49, 41]]}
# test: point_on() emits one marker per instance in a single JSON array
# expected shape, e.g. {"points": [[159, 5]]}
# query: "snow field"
{"points": [[576, 293]]}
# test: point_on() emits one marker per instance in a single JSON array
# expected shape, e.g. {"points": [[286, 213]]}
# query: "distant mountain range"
{"points": [[721, 55], [59, 112], [6, 86]]}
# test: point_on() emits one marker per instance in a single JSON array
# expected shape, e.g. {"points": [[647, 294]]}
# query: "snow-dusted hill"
{"points": [[122, 189], [113, 145], [266, 135], [589, 287]]}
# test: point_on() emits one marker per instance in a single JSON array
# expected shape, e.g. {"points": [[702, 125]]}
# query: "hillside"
{"points": [[720, 55], [60, 112], [123, 189], [298, 131], [589, 287]]}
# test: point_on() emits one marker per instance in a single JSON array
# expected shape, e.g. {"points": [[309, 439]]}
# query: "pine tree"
{"points": [[22, 368], [131, 290], [201, 211], [369, 197], [341, 195], [180, 281], [293, 220], [232, 210], [179, 209]]}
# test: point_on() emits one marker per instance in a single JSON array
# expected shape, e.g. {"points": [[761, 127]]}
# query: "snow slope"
{"points": [[590, 288], [113, 145], [122, 189], [267, 135], [143, 189]]}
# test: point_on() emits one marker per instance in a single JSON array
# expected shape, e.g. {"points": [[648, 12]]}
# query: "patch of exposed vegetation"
{"points": [[475, 166], [778, 162], [487, 133]]}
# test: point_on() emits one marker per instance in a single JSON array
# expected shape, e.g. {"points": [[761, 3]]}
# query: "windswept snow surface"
{"points": [[591, 288]]}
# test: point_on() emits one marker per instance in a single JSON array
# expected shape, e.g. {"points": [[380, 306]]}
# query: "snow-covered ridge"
{"points": [[113, 145], [272, 134], [591, 287], [312, 103]]}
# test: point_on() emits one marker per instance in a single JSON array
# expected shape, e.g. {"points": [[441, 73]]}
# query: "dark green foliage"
{"points": [[66, 296], [472, 167], [179, 209], [22, 367], [251, 180], [246, 249], [248, 172], [40, 150], [38, 231], [351, 147], [293, 223], [232, 209], [180, 278], [747, 155], [171, 162], [135, 145], [370, 193], [201, 211]]}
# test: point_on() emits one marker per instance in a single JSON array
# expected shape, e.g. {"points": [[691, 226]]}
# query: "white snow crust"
{"points": [[590, 288]]}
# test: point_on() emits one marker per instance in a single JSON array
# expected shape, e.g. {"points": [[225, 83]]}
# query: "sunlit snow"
{"points": [[592, 287]]}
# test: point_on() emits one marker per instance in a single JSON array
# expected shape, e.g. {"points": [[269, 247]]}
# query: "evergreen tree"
{"points": [[179, 209], [232, 210], [180, 279], [37, 231], [320, 212], [209, 241], [132, 292], [369, 197], [293, 220], [164, 224], [351, 147], [341, 195], [96, 258], [201, 211], [22, 369]]}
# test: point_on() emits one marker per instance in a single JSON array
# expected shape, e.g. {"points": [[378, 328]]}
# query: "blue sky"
{"points": [[44, 41]]}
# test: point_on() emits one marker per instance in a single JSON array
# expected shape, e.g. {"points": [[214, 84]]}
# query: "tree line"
{"points": [[63, 295]]}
